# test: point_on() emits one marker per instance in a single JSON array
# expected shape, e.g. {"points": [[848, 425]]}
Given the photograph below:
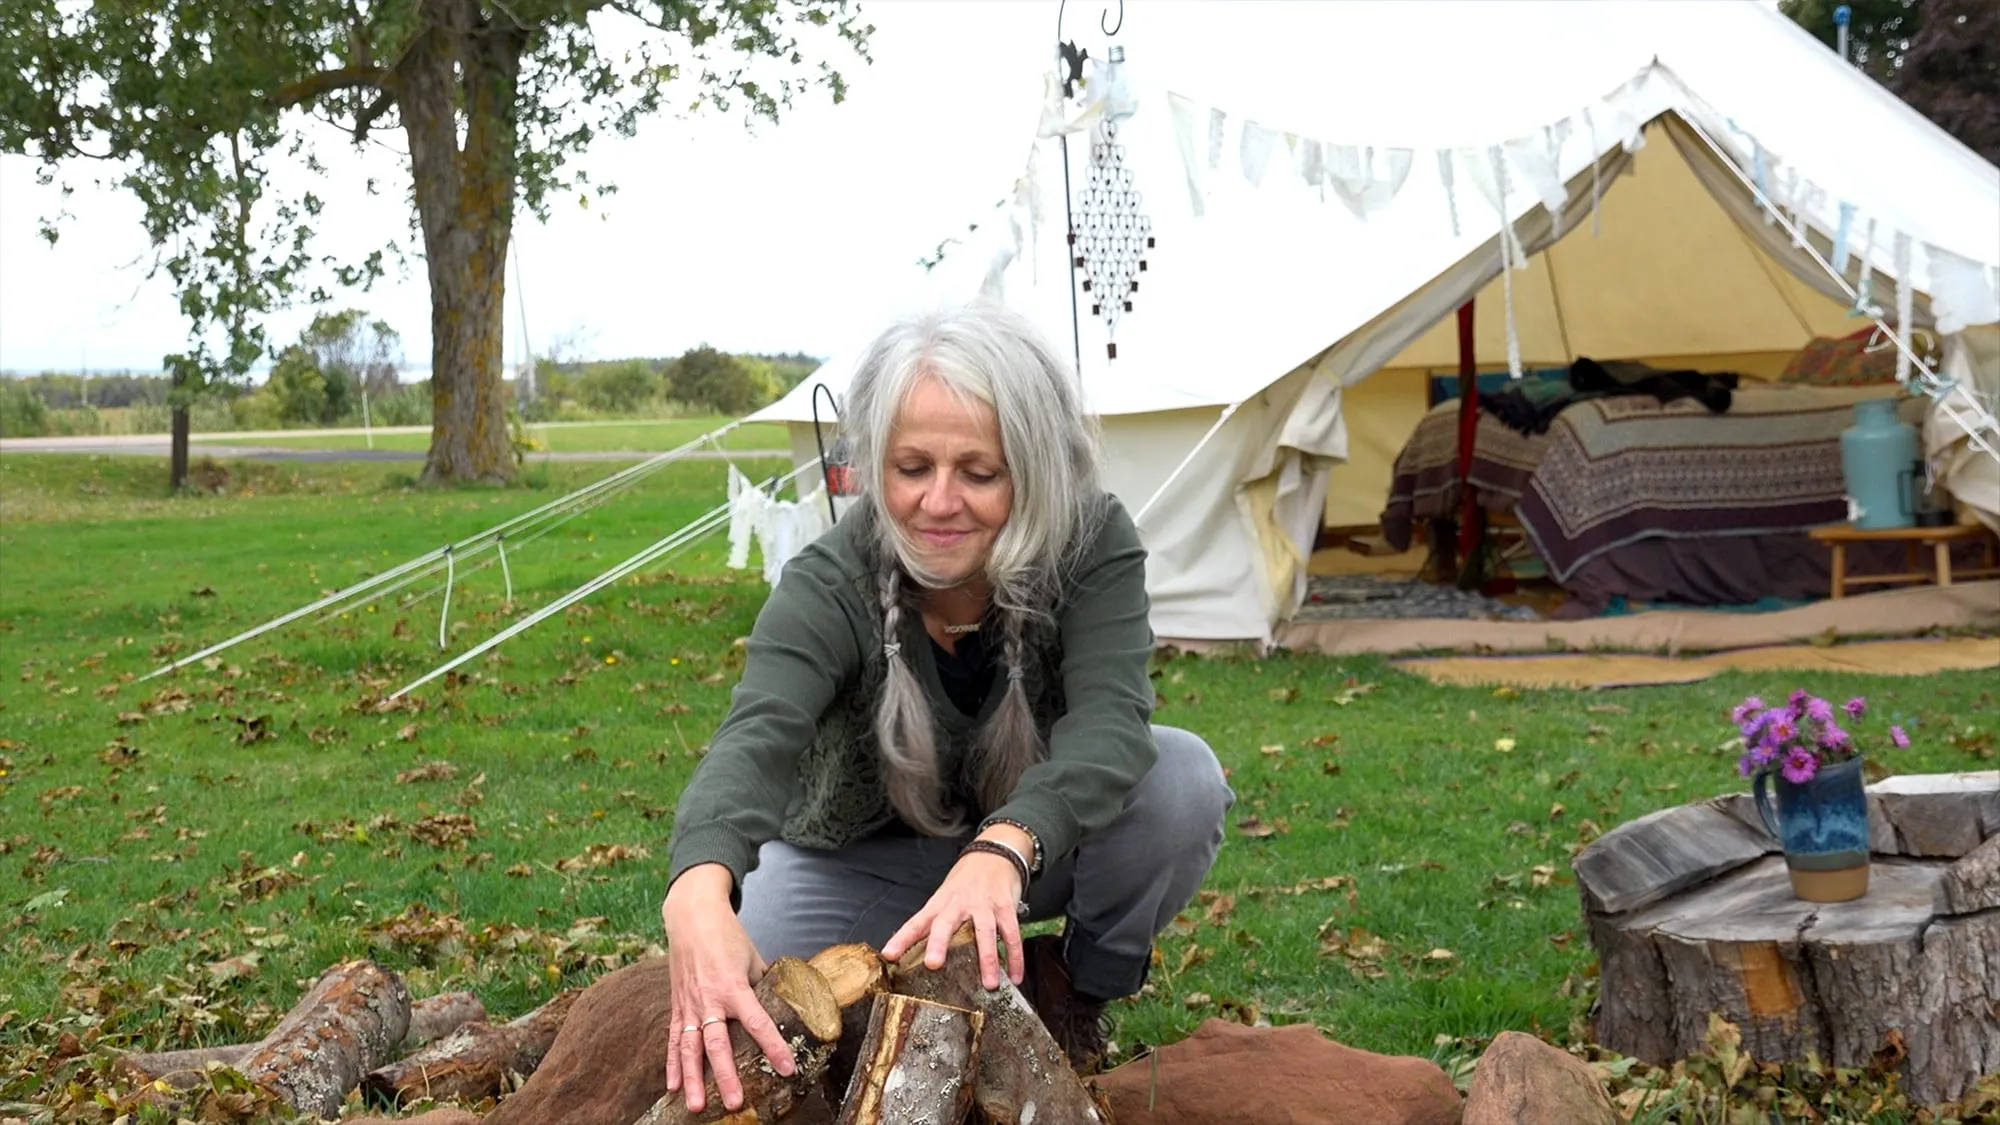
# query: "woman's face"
{"points": [[945, 480]]}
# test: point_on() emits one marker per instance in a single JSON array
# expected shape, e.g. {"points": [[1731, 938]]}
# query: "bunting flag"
{"points": [[1445, 163], [1906, 295]]}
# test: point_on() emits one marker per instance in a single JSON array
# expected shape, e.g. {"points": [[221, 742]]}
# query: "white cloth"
{"points": [[782, 528]]}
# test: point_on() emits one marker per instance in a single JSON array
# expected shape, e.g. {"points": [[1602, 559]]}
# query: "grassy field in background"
{"points": [[179, 857], [563, 437]]}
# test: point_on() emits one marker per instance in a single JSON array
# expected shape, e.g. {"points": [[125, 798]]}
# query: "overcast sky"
{"points": [[770, 242]]}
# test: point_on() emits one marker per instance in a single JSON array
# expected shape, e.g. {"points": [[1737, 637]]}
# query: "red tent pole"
{"points": [[1468, 426]]}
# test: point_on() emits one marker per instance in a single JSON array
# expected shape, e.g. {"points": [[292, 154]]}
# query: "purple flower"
{"points": [[1745, 709], [1747, 764], [1856, 707], [1898, 739], [1800, 765], [1763, 753], [1781, 729], [1797, 700], [1832, 737], [1819, 710]]}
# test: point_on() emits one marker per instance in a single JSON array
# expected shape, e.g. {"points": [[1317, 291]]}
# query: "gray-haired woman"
{"points": [[944, 717]]}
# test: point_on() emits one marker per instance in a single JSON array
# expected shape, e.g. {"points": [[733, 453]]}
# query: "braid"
{"points": [[904, 725], [1010, 742]]}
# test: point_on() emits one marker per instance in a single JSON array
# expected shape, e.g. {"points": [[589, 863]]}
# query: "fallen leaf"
{"points": [[222, 972], [1504, 745], [1254, 827]]}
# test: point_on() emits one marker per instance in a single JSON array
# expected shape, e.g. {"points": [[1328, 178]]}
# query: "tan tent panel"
{"points": [[1668, 278]]}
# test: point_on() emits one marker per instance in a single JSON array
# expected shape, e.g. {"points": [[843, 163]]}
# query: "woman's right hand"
{"points": [[712, 964]]}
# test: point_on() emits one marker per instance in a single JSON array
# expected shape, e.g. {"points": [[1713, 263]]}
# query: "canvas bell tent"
{"points": [[1324, 185]]}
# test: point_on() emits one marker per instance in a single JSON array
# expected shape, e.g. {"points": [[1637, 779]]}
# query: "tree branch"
{"points": [[327, 81], [366, 118]]}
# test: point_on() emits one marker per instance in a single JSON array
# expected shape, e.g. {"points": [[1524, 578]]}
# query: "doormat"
{"points": [[1335, 596], [1609, 670]]}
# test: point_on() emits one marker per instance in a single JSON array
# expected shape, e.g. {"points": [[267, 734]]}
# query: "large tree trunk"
{"points": [[465, 205]]}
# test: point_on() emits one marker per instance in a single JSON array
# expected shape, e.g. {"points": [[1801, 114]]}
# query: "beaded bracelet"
{"points": [[995, 847], [1034, 864]]}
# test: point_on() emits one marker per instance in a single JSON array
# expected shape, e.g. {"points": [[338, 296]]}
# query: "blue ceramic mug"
{"points": [[1822, 823]]}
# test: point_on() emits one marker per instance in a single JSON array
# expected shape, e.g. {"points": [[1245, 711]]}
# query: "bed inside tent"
{"points": [[1664, 241]]}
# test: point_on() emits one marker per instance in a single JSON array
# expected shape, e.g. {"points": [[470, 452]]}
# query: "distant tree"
{"points": [[621, 387], [358, 351], [1951, 71], [721, 382], [1878, 32]]}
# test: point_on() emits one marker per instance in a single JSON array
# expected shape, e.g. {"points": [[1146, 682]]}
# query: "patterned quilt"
{"points": [[1424, 485], [1616, 471]]}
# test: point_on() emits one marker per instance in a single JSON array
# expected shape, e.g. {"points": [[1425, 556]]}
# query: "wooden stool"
{"points": [[1839, 535]]}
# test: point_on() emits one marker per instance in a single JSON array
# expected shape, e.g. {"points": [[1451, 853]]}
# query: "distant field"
{"points": [[561, 437]]}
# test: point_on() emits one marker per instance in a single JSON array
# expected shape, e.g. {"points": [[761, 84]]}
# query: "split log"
{"points": [[803, 1005], [856, 974], [1023, 1075], [1902, 974], [351, 1022], [918, 1064], [432, 1017], [472, 1062]]}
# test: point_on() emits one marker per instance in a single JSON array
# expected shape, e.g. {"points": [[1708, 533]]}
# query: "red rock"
{"points": [[1521, 1080], [1228, 1074], [609, 1063]]}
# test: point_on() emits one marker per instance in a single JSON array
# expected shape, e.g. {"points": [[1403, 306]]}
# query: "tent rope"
{"points": [[1227, 411], [500, 544], [694, 531], [444, 612], [573, 504]]}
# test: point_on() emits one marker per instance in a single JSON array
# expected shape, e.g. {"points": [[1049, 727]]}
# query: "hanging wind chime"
{"points": [[1110, 232]]}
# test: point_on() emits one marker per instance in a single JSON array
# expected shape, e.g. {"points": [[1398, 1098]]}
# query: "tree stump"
{"points": [[1691, 911]]}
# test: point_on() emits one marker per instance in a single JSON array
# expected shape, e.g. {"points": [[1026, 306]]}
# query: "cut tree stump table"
{"points": [[1691, 913]]}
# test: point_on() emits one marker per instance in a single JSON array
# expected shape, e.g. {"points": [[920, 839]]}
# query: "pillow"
{"points": [[1843, 361]]}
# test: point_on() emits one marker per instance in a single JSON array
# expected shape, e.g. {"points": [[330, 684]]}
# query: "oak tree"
{"points": [[193, 105]]}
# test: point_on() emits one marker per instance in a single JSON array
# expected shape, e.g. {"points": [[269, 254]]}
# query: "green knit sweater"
{"points": [[797, 757]]}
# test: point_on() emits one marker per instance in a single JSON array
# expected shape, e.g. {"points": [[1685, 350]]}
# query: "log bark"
{"points": [[1911, 961], [919, 1061], [351, 1022], [432, 1017], [808, 1014], [472, 1062], [1023, 1075]]}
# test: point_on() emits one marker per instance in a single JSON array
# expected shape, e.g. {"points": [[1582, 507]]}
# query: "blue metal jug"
{"points": [[1875, 457]]}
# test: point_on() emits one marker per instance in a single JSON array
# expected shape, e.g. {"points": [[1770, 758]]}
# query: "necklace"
{"points": [[960, 630]]}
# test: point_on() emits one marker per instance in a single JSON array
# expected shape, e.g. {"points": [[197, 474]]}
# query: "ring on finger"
{"points": [[709, 1020], [689, 1029]]}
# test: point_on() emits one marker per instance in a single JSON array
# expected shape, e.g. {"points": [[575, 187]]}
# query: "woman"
{"points": [[944, 717]]}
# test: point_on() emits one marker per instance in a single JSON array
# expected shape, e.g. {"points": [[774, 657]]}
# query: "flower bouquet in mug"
{"points": [[1806, 750]]}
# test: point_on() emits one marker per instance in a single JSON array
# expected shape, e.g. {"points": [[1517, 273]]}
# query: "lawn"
{"points": [[648, 436], [182, 855]]}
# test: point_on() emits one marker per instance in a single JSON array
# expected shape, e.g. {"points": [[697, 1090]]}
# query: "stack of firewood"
{"points": [[875, 1042]]}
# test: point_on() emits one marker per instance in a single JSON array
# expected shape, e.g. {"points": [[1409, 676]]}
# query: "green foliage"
{"points": [[22, 413], [1878, 32], [618, 388], [721, 382]]}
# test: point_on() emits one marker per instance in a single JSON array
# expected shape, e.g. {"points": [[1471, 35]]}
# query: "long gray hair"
{"points": [[985, 352]]}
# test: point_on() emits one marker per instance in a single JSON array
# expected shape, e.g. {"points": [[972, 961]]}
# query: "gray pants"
{"points": [[1117, 890]]}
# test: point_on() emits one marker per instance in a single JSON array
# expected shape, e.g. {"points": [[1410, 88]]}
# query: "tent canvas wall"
{"points": [[1327, 183]]}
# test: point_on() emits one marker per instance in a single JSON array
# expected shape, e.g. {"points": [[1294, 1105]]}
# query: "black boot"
{"points": [[1076, 1022]]}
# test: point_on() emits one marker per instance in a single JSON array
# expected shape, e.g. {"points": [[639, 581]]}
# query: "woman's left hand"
{"points": [[982, 889]]}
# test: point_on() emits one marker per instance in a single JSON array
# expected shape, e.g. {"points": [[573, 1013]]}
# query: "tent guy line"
{"points": [[571, 504]]}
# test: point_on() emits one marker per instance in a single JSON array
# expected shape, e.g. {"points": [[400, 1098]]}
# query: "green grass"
{"points": [[179, 857], [564, 437]]}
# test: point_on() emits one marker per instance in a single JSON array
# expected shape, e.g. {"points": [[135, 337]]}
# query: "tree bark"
{"points": [[472, 1062], [351, 1022], [465, 207], [432, 1017], [1023, 1075], [808, 1014], [1691, 917], [857, 974], [918, 1062]]}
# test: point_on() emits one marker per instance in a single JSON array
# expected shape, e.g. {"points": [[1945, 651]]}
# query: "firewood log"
{"points": [[918, 1062], [351, 1022], [1023, 1075], [472, 1062], [857, 974], [432, 1017], [808, 1014]]}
